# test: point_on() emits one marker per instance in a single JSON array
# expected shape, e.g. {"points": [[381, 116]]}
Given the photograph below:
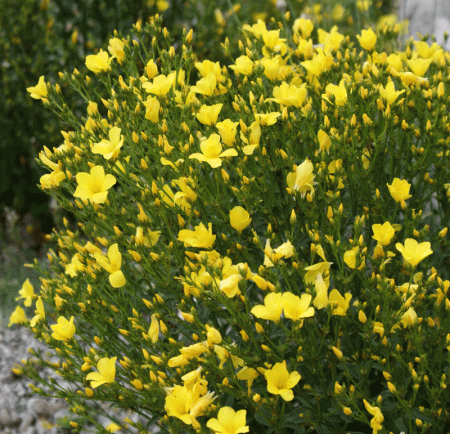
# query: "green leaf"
{"points": [[400, 425]]}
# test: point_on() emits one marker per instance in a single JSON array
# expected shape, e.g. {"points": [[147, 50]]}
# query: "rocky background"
{"points": [[22, 412], [430, 17]]}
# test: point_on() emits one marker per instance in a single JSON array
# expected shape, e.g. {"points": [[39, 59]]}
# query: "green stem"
{"points": [[280, 418]]}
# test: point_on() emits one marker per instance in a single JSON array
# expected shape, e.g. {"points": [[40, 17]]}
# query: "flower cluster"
{"points": [[261, 245]]}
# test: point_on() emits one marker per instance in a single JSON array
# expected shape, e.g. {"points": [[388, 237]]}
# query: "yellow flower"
{"points": [[378, 418], [63, 330], [207, 67], [332, 167], [272, 40], [363, 5], [389, 93], [112, 265], [324, 141], [267, 119], [243, 65], [153, 331], [27, 292], [305, 48], [227, 130], [228, 422], [94, 186], [313, 270], [303, 26], [296, 308], [368, 39], [258, 29], [17, 317], [409, 78], [425, 51], [285, 250], [347, 410], [98, 62], [178, 402], [253, 141], [213, 335], [409, 318], [188, 404], [110, 148], [161, 84], [338, 12], [338, 353], [162, 5], [321, 299], [339, 93], [362, 317], [208, 114], [413, 252], [239, 218], [350, 258], [229, 285], [206, 85], [40, 312], [106, 372], [399, 190], [74, 266], [246, 374], [194, 350], [330, 40], [115, 48], [338, 303], [53, 179], [40, 90], [200, 237], [289, 95], [302, 180], [378, 327], [113, 427], [419, 66], [212, 151], [271, 66], [272, 308], [151, 69], [383, 233], [152, 107], [319, 63], [280, 381]]}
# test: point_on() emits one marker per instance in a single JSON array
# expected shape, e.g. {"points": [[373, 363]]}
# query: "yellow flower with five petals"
{"points": [[399, 190], [94, 186], [280, 381], [106, 372], [212, 151], [413, 252], [110, 148], [40, 90]]}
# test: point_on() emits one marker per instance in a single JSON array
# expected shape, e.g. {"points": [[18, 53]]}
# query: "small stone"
{"points": [[27, 421], [45, 407], [9, 418]]}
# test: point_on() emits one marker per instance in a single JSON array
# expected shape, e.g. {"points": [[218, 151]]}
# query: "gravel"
{"points": [[23, 412]]}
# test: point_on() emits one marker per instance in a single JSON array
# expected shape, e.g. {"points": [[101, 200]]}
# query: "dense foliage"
{"points": [[44, 37], [261, 244]]}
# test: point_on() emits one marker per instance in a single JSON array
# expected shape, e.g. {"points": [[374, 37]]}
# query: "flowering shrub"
{"points": [[261, 245], [44, 37], [37, 38]]}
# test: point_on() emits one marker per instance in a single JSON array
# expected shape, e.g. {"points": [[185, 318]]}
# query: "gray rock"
{"points": [[21, 411], [427, 17]]}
